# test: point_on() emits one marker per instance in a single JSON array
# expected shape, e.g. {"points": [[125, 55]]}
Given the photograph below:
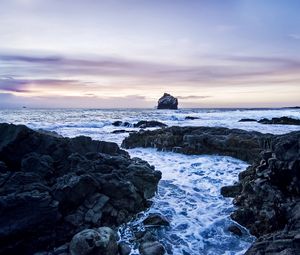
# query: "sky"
{"points": [[127, 53]]}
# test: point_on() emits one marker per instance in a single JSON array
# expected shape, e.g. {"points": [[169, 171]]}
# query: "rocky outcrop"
{"points": [[167, 102], [140, 124], [52, 188], [267, 195], [203, 140], [247, 120], [280, 121], [149, 124]]}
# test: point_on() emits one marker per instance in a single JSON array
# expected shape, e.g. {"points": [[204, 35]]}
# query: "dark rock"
{"points": [[149, 124], [152, 248], [122, 131], [94, 241], [191, 118], [124, 248], [235, 230], [231, 191], [167, 102], [3, 167], [247, 120], [55, 187], [156, 219], [119, 123], [280, 121], [203, 140]]}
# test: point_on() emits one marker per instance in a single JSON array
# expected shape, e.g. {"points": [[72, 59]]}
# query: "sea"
{"points": [[189, 191]]}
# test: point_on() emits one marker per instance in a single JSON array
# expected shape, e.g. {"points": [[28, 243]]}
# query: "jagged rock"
{"points": [[231, 191], [202, 140], [235, 230], [119, 123], [94, 241], [191, 118], [152, 248], [167, 102], [148, 124], [247, 120], [280, 121], [54, 187], [156, 219]]}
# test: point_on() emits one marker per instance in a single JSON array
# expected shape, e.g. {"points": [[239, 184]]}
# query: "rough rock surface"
{"points": [[94, 241], [140, 124], [202, 140], [280, 121], [167, 102], [52, 188], [247, 120], [268, 193]]}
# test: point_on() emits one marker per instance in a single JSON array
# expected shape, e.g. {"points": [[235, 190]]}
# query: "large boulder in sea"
{"points": [[167, 102], [53, 187]]}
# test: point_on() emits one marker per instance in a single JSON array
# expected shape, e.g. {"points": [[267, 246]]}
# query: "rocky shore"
{"points": [[267, 194], [52, 188]]}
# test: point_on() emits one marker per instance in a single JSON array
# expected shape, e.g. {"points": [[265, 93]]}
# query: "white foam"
{"points": [[189, 195]]}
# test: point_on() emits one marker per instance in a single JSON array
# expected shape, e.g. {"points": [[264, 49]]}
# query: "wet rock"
{"points": [[280, 121], [235, 230], [119, 123], [202, 140], [231, 191], [149, 124], [122, 131], [94, 241], [191, 118], [152, 248], [247, 120], [124, 248], [156, 219], [167, 102], [55, 187]]}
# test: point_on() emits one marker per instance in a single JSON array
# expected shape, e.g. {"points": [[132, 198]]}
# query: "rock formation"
{"points": [[280, 121], [51, 188], [167, 102], [268, 192]]}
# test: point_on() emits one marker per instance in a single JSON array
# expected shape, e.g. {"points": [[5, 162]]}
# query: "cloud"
{"points": [[192, 97], [108, 78]]}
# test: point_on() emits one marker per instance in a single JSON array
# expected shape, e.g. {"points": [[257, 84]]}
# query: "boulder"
{"points": [[94, 241], [156, 219], [167, 102], [152, 248]]}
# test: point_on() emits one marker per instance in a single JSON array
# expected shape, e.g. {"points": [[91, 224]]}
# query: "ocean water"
{"points": [[189, 192]]}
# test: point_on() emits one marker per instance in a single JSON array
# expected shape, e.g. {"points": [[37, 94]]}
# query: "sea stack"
{"points": [[167, 102]]}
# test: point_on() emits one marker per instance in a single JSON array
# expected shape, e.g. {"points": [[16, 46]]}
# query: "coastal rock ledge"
{"points": [[52, 188], [267, 195]]}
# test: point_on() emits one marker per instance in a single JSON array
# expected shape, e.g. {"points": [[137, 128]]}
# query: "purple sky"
{"points": [[127, 53]]}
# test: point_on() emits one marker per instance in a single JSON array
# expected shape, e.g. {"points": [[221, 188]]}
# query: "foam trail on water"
{"points": [[189, 195]]}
